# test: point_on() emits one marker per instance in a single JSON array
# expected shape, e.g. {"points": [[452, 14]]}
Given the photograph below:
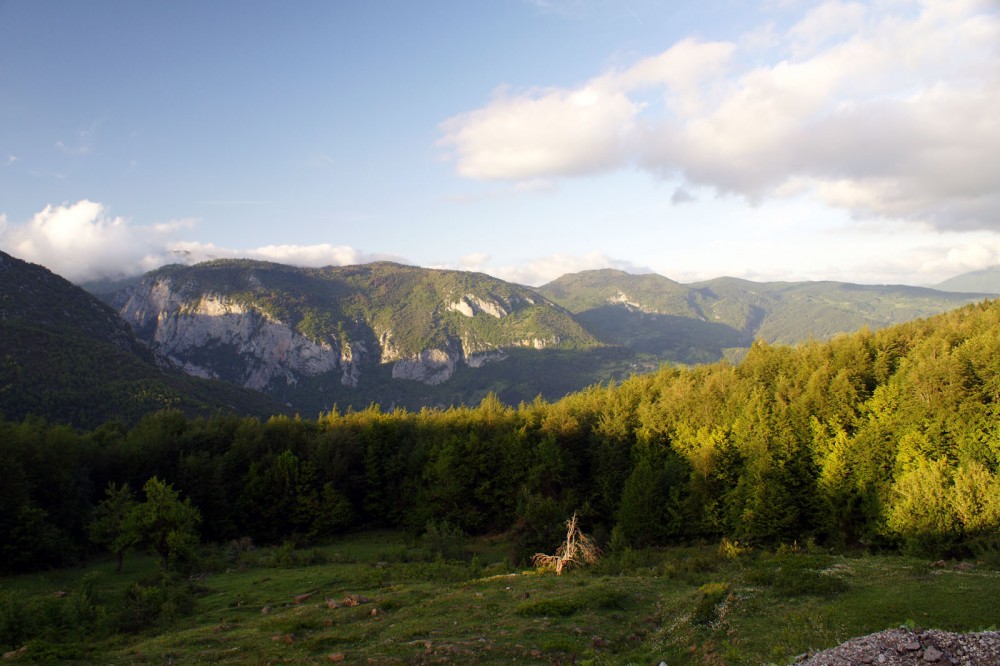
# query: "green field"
{"points": [[385, 598]]}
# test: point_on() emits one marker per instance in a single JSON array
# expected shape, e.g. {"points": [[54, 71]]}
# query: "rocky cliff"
{"points": [[271, 327], [212, 336]]}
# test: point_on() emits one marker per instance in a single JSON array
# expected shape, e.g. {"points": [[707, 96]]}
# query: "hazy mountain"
{"points": [[705, 321], [399, 335], [68, 357], [986, 281]]}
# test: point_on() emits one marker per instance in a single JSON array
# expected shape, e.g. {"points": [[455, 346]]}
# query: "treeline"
{"points": [[880, 440]]}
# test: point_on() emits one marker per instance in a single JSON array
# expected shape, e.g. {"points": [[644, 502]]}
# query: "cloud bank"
{"points": [[83, 241], [884, 109], [540, 270]]}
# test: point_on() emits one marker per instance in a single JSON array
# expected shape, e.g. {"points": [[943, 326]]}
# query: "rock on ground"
{"points": [[905, 647]]}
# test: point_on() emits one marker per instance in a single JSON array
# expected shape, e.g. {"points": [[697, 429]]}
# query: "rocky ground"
{"points": [[905, 647]]}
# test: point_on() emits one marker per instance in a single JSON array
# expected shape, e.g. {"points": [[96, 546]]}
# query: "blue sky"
{"points": [[773, 140]]}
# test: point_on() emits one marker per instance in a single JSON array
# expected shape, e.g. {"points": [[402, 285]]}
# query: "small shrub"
{"points": [[610, 600], [240, 552], [145, 605], [15, 620], [287, 556], [139, 608], [731, 550], [985, 547], [807, 582], [557, 607], [444, 540], [707, 608], [794, 577]]}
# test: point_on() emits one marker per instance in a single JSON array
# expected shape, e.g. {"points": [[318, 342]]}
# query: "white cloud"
{"points": [[316, 256], [550, 132], [474, 261], [82, 242], [886, 110], [829, 20], [540, 270]]}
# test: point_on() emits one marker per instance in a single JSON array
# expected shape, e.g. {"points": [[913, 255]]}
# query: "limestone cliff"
{"points": [[215, 337], [270, 327]]}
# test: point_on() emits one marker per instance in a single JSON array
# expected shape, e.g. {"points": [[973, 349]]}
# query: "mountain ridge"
{"points": [[408, 336], [348, 334], [67, 357]]}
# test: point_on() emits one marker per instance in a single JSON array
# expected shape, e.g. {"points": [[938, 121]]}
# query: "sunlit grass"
{"points": [[381, 598]]}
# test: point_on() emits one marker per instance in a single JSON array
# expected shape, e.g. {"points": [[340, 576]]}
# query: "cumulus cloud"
{"points": [[83, 241], [554, 132], [883, 109]]}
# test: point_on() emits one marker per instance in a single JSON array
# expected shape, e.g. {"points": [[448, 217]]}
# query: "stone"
{"points": [[932, 654], [354, 600]]}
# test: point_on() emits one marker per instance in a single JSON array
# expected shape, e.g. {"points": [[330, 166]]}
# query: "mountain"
{"points": [[68, 357], [706, 321], [385, 332], [404, 336], [986, 281]]}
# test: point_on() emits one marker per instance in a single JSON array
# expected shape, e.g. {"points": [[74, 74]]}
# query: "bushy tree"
{"points": [[164, 522], [112, 525]]}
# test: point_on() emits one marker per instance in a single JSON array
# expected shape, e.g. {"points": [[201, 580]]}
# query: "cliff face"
{"points": [[215, 337], [270, 327]]}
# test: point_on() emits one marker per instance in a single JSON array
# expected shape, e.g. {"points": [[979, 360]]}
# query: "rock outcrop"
{"points": [[216, 337], [303, 335]]}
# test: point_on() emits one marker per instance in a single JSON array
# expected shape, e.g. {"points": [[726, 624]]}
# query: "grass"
{"points": [[379, 598]]}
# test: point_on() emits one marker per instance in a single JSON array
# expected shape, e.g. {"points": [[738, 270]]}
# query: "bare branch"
{"points": [[577, 549]]}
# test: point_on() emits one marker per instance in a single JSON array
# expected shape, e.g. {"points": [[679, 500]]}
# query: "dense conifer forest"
{"points": [[881, 440]]}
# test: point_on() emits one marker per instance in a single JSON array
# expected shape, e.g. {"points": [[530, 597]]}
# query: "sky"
{"points": [[771, 140]]}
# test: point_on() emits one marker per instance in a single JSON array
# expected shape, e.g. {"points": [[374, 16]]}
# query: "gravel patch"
{"points": [[905, 647]]}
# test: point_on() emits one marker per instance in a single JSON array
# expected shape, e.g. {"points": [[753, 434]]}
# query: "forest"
{"points": [[882, 441]]}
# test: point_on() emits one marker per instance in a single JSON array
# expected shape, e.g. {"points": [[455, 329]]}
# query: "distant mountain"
{"points": [[398, 335], [68, 357], [718, 318], [986, 281], [405, 336]]}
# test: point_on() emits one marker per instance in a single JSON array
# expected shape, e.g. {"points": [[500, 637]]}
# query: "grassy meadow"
{"points": [[386, 598]]}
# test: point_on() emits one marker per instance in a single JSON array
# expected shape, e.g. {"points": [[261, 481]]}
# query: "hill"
{"points": [[68, 357], [986, 280], [705, 321], [404, 336], [395, 334]]}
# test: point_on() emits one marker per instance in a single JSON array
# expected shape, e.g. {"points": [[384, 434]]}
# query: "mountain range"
{"points": [[259, 338], [315, 338]]}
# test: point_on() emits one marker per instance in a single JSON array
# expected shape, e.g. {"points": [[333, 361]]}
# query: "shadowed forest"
{"points": [[884, 440]]}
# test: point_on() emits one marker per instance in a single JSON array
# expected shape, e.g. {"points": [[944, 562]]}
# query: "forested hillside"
{"points": [[706, 321], [884, 439], [69, 357]]}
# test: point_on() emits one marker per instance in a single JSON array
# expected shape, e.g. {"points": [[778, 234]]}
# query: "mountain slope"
{"points": [[68, 357], [705, 321], [986, 281], [344, 335]]}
